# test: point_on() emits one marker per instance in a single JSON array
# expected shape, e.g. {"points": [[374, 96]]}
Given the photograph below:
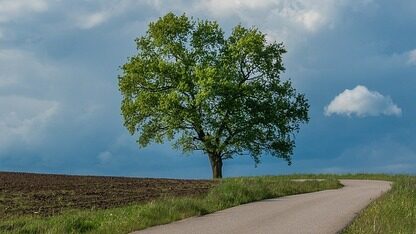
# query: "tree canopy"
{"points": [[191, 84]]}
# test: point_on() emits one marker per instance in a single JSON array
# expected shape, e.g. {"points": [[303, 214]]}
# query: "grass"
{"points": [[228, 193]]}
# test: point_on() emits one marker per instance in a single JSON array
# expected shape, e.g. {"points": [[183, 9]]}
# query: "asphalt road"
{"points": [[321, 212]]}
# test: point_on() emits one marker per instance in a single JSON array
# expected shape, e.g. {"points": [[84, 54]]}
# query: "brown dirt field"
{"points": [[42, 194]]}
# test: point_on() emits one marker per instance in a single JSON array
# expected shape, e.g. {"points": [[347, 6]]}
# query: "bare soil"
{"points": [[45, 195]]}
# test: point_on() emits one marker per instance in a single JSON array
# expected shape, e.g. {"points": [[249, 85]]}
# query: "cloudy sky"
{"points": [[60, 106]]}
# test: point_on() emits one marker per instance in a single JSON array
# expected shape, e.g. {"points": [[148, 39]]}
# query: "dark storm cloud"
{"points": [[62, 58]]}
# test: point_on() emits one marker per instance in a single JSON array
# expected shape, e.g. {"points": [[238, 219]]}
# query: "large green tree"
{"points": [[191, 84]]}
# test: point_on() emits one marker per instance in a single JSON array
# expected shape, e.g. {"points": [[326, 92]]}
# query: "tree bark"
{"points": [[216, 165]]}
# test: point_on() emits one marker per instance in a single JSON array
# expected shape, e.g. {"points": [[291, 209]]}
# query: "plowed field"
{"points": [[25, 193]]}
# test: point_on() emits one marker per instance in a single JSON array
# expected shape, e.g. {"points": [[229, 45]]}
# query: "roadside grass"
{"points": [[228, 193]]}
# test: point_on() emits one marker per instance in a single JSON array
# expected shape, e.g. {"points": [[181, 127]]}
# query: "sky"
{"points": [[355, 60]]}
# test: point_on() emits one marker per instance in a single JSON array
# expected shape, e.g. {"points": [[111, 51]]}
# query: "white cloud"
{"points": [[362, 102], [10, 9], [39, 95], [22, 68], [91, 20], [311, 19], [411, 57], [224, 8], [291, 15], [23, 119], [285, 20], [106, 10]]}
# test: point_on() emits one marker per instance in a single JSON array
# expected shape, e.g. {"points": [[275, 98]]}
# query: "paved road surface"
{"points": [[320, 212]]}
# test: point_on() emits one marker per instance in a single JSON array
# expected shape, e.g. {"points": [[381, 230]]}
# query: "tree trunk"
{"points": [[216, 165]]}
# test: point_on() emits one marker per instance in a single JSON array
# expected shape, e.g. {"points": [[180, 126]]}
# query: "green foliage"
{"points": [[228, 193], [191, 84]]}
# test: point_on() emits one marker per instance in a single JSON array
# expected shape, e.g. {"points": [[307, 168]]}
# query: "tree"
{"points": [[192, 85]]}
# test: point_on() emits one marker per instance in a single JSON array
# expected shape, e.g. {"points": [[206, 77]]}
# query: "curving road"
{"points": [[321, 212]]}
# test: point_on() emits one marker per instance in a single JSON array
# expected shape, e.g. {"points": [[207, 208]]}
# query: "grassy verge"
{"points": [[230, 192]]}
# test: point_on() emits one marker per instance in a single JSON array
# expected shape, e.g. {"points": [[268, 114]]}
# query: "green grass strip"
{"points": [[228, 193]]}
